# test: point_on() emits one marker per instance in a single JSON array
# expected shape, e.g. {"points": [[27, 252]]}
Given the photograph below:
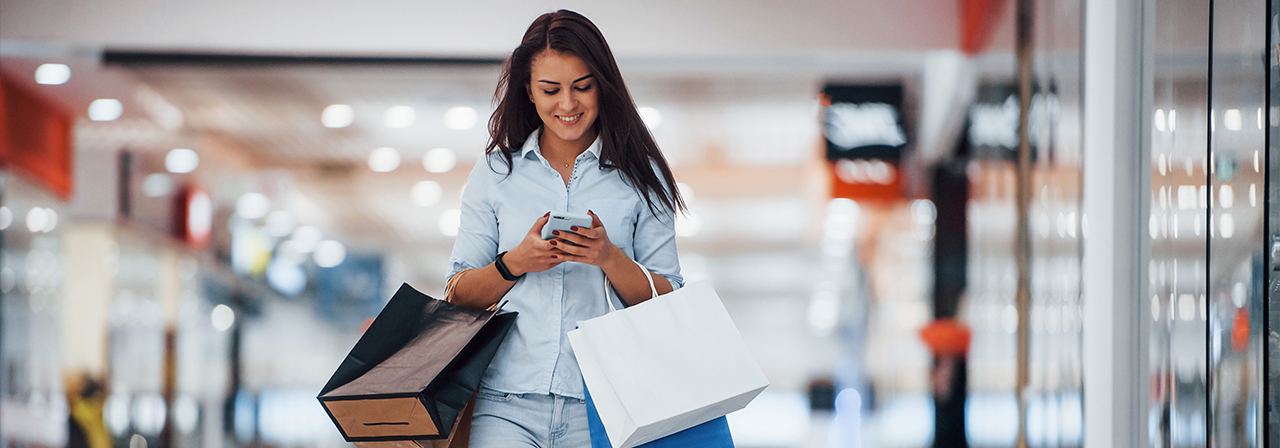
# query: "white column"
{"points": [[86, 302], [1117, 171]]}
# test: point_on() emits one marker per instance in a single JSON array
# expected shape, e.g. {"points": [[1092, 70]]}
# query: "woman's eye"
{"points": [[551, 92], [583, 88]]}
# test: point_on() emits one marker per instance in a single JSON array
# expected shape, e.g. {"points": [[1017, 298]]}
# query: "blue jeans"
{"points": [[503, 420]]}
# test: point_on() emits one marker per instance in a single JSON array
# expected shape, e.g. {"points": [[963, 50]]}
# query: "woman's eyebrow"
{"points": [[556, 83]]}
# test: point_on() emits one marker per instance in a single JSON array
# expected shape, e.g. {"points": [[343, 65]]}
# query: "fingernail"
{"points": [[573, 228], [546, 215], [553, 243], [555, 232], [553, 256]]}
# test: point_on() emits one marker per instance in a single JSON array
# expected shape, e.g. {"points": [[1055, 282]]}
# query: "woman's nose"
{"points": [[569, 101]]}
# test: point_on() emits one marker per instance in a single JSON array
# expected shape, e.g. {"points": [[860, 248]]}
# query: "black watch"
{"points": [[502, 269]]}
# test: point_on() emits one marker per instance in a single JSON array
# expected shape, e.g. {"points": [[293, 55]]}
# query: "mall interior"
{"points": [[935, 223]]}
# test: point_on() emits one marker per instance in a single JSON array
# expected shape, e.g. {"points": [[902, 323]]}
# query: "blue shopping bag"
{"points": [[712, 434]]}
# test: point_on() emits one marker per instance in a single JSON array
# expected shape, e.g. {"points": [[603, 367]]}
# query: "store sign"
{"points": [[852, 126], [863, 122], [863, 179], [193, 216], [865, 138], [993, 122], [35, 137]]}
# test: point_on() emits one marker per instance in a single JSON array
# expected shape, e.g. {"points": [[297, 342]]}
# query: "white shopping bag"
{"points": [[665, 365]]}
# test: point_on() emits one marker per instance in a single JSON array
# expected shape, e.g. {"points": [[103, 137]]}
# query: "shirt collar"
{"points": [[531, 145]]}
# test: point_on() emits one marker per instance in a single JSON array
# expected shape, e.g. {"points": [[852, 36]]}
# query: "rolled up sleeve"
{"points": [[477, 241], [655, 242]]}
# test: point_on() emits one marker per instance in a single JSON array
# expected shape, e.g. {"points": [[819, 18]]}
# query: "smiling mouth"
{"points": [[571, 119]]}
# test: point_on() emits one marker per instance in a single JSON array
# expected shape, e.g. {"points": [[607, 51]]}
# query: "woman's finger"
{"points": [[537, 224], [592, 233], [560, 253], [545, 244], [568, 248], [574, 238]]}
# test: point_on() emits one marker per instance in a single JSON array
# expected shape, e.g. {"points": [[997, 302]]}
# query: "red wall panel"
{"points": [[35, 138]]}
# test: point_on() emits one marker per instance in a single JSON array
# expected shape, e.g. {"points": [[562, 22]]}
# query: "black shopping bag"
{"points": [[413, 371]]}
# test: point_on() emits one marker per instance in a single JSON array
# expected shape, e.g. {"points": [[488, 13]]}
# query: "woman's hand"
{"points": [[534, 254], [588, 246]]}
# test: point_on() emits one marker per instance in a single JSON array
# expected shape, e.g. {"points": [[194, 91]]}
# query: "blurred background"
{"points": [[202, 203]]}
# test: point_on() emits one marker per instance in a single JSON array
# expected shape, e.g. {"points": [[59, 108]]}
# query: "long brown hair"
{"points": [[625, 141]]}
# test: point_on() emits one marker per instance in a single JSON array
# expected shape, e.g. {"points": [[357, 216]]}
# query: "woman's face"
{"points": [[564, 92]]}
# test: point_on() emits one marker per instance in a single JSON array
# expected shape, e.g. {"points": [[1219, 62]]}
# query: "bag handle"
{"points": [[647, 276]]}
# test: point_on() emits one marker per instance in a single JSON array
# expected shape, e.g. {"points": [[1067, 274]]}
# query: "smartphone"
{"points": [[562, 221]]}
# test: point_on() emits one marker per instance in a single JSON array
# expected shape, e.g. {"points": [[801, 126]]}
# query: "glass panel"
{"points": [[1178, 228], [1237, 96], [31, 272], [1054, 406], [1273, 232]]}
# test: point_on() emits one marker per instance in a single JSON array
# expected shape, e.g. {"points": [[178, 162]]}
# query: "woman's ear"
{"points": [[528, 90]]}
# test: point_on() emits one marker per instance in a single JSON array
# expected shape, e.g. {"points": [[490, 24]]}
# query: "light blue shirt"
{"points": [[497, 212]]}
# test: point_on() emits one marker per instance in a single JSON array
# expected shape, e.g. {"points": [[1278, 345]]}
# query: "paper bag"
{"points": [[414, 370]]}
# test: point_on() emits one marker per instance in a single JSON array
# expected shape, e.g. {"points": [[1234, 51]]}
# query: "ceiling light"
{"points": [[449, 222], [426, 193], [652, 118], [384, 160], [181, 160], [329, 253], [253, 206], [222, 317], [399, 117], [306, 237], [337, 116], [923, 211], [1233, 120], [50, 220], [36, 219], [105, 109], [53, 74], [439, 160], [460, 118], [6, 217], [1226, 197]]}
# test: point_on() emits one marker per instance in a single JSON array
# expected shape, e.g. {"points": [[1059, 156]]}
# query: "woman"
{"points": [[566, 136]]}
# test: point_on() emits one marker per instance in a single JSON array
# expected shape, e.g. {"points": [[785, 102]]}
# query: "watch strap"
{"points": [[503, 270]]}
